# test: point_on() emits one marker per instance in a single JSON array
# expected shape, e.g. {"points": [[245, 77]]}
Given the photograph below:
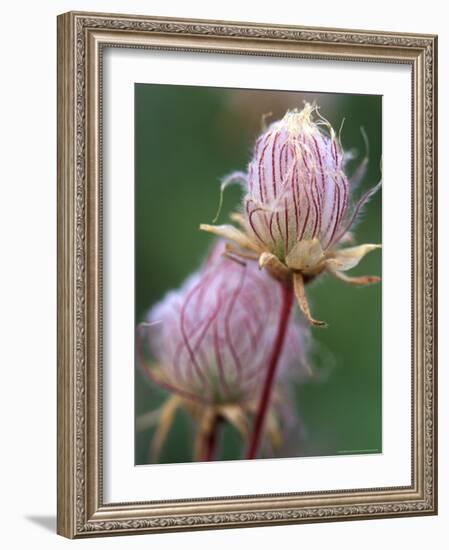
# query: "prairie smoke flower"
{"points": [[298, 206], [210, 341]]}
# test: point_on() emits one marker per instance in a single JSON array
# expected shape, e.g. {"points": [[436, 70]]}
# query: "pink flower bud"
{"points": [[297, 188], [211, 338]]}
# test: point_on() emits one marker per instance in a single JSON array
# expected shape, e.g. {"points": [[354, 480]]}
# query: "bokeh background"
{"points": [[186, 140]]}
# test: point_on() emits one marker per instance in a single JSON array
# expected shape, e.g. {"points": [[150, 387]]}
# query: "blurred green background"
{"points": [[186, 140]]}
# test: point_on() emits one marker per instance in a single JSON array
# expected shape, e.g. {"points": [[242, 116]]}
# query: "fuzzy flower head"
{"points": [[211, 337], [210, 340], [296, 187], [299, 205]]}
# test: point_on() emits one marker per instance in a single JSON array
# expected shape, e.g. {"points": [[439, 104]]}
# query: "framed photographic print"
{"points": [[246, 274]]}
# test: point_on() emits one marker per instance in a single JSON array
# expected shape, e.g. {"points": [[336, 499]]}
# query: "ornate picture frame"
{"points": [[82, 40]]}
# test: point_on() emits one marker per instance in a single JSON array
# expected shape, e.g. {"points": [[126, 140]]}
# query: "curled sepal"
{"points": [[298, 286], [208, 419], [166, 418], [348, 258], [357, 281], [234, 250], [230, 233], [274, 266], [236, 416], [273, 430]]}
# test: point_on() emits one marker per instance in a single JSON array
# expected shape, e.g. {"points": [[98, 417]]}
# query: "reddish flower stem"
{"points": [[210, 445], [286, 306]]}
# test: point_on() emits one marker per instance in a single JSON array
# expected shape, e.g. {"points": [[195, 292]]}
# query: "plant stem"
{"points": [[286, 306], [210, 445]]}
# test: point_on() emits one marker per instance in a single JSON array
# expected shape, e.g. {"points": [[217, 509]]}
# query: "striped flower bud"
{"points": [[212, 336], [297, 188]]}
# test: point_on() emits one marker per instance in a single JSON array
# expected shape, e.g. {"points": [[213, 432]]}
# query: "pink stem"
{"points": [[210, 445], [286, 306]]}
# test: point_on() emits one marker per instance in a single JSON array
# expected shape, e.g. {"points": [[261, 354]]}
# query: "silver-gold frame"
{"points": [[82, 38]]}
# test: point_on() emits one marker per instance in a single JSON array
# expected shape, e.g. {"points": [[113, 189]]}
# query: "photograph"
{"points": [[247, 283], [258, 264], [224, 217]]}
